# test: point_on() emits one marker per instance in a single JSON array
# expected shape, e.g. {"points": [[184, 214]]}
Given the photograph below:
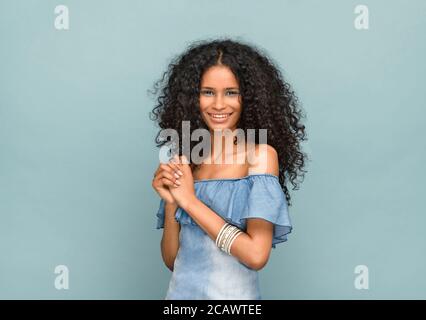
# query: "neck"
{"points": [[220, 142]]}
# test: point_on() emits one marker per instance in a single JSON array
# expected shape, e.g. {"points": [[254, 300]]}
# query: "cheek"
{"points": [[237, 106], [203, 103]]}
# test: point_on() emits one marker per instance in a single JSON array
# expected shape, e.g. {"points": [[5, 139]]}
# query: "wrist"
{"points": [[170, 203], [185, 204]]}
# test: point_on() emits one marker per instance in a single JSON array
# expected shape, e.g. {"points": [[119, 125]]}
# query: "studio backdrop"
{"points": [[77, 151]]}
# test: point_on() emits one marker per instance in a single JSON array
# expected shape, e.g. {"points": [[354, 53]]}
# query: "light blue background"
{"points": [[77, 149]]}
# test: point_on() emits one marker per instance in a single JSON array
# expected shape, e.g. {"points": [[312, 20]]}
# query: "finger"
{"points": [[166, 167], [175, 160], [155, 175], [176, 163], [168, 176], [168, 183], [178, 173], [159, 174], [170, 173]]}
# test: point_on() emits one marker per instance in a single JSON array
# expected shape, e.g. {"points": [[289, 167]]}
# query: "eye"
{"points": [[232, 93], [207, 92]]}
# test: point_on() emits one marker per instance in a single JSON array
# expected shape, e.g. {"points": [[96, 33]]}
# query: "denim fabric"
{"points": [[203, 271]]}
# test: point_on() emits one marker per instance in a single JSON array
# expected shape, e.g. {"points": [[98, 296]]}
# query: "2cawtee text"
{"points": [[212, 309]]}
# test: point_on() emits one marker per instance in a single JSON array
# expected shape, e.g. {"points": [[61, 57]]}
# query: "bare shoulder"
{"points": [[264, 159]]}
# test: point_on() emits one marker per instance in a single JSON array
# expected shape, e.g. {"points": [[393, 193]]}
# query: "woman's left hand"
{"points": [[184, 193]]}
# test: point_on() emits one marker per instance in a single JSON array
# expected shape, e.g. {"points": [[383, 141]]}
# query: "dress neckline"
{"points": [[237, 179]]}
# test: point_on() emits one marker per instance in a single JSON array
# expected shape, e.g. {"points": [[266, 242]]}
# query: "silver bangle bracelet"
{"points": [[232, 241], [219, 235], [226, 237], [229, 238]]}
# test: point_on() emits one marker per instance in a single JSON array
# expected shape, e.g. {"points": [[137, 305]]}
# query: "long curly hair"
{"points": [[268, 102]]}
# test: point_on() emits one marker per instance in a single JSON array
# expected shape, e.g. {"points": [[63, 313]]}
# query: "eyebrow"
{"points": [[230, 88]]}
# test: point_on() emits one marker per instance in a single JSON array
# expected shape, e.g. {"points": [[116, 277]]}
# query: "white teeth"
{"points": [[220, 116]]}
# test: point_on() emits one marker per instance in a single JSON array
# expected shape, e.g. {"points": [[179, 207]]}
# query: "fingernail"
{"points": [[180, 172], [176, 175], [177, 182]]}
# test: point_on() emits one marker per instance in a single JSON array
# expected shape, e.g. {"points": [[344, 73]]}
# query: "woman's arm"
{"points": [[253, 247], [170, 239], [164, 178]]}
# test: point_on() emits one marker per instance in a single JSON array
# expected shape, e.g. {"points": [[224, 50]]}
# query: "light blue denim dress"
{"points": [[201, 270]]}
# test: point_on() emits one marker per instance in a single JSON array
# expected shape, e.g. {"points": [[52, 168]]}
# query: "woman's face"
{"points": [[220, 99]]}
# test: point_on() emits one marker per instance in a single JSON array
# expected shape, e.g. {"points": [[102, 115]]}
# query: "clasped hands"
{"points": [[174, 182]]}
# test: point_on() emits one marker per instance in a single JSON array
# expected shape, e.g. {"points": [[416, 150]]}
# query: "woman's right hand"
{"points": [[167, 176]]}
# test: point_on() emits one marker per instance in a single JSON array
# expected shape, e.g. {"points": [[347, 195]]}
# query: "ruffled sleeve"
{"points": [[160, 215], [266, 200]]}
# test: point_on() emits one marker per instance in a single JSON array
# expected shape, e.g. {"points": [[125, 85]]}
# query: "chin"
{"points": [[219, 126]]}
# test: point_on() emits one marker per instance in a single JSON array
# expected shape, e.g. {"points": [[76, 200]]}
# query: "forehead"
{"points": [[219, 76]]}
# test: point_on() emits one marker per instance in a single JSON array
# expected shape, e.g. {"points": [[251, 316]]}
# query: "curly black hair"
{"points": [[268, 102]]}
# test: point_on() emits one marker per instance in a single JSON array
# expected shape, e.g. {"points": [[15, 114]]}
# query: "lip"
{"points": [[221, 119]]}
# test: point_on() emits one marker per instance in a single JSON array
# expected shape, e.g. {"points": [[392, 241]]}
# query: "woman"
{"points": [[221, 220]]}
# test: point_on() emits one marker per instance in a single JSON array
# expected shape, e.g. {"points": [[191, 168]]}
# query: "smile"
{"points": [[219, 116]]}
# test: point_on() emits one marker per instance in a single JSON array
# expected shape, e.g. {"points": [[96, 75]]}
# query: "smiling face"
{"points": [[220, 99]]}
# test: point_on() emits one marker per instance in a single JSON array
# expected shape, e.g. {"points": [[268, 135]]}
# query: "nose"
{"points": [[219, 103]]}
